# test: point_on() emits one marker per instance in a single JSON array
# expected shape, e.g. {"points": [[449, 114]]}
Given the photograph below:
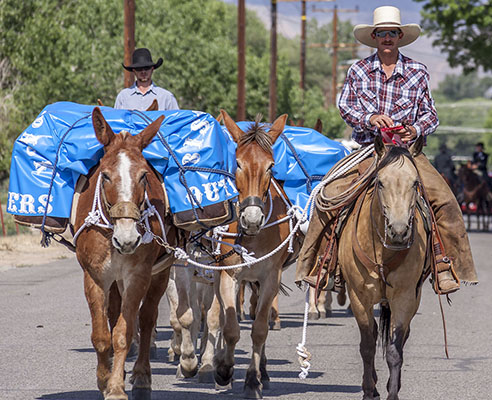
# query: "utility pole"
{"points": [[241, 61], [129, 38], [272, 108], [335, 45]]}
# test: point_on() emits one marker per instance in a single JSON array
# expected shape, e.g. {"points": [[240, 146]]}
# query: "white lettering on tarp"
{"points": [[197, 193], [190, 158], [27, 204], [43, 200], [211, 191], [202, 125], [31, 152], [38, 122], [232, 185], [13, 197], [43, 167], [193, 143], [223, 184]]}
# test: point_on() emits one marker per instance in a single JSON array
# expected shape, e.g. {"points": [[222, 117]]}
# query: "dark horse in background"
{"points": [[475, 191]]}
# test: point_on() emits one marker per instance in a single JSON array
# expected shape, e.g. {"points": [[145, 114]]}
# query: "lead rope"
{"points": [[302, 352]]}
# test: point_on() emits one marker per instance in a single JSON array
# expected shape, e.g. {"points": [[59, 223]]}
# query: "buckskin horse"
{"points": [[125, 184], [382, 256], [256, 187]]}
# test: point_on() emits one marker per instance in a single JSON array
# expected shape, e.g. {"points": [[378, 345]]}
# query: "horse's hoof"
{"points": [[206, 375], [313, 315], [349, 311], [171, 356], [275, 326], [328, 314], [116, 396], [223, 388], [322, 314], [179, 373], [141, 394], [225, 379], [341, 298], [253, 393], [241, 317]]}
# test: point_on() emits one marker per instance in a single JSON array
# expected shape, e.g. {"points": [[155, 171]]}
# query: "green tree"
{"points": [[463, 28], [458, 87]]}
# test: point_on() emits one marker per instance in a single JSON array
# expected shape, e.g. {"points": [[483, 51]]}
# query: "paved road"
{"points": [[46, 351]]}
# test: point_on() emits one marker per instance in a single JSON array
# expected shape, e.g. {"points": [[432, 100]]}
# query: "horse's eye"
{"points": [[270, 167], [416, 184], [105, 177], [143, 178], [238, 165], [379, 185]]}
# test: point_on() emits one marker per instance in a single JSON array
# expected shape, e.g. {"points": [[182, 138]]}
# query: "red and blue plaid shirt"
{"points": [[405, 97]]}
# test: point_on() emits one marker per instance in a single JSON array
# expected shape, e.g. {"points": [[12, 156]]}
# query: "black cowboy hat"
{"points": [[142, 58]]}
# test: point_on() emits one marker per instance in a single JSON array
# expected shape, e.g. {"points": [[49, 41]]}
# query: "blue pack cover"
{"points": [[302, 158], [62, 136], [60, 145]]}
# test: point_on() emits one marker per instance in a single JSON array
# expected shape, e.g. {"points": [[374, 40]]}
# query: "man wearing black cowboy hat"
{"points": [[142, 93]]}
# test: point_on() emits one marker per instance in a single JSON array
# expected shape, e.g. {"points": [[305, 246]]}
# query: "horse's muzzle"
{"points": [[251, 216]]}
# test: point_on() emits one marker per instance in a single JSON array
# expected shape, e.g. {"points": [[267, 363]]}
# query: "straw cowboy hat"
{"points": [[142, 58], [386, 17]]}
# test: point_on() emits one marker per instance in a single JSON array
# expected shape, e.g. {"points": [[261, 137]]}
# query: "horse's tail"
{"points": [[384, 325]]}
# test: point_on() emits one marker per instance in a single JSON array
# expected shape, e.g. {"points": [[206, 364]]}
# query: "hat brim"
{"points": [[410, 33], [141, 65]]}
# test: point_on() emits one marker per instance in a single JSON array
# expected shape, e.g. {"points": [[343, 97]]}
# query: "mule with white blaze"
{"points": [[129, 192]]}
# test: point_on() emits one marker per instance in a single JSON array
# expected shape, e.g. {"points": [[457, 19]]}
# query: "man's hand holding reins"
{"points": [[407, 133]]}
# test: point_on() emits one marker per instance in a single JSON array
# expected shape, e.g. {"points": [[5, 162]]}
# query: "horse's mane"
{"points": [[394, 154], [256, 132]]}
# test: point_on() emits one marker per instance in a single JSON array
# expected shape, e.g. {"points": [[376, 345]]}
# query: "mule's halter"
{"points": [[122, 209]]}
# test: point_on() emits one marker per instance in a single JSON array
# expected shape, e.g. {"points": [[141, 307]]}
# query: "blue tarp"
{"points": [[302, 157], [63, 136]]}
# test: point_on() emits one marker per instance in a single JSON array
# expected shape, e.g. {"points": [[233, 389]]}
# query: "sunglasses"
{"points": [[142, 69], [392, 33]]}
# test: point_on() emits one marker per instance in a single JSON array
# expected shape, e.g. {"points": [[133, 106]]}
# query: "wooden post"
{"points": [[1, 218], [302, 66], [129, 38], [272, 109], [334, 59], [241, 61]]}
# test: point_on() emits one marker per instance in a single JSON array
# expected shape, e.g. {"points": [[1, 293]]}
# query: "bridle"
{"points": [[384, 240]]}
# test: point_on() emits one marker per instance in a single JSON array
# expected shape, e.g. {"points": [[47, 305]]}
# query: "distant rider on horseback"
{"points": [[384, 90]]}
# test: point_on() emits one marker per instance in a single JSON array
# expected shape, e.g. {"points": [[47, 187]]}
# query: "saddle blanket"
{"points": [[191, 152]]}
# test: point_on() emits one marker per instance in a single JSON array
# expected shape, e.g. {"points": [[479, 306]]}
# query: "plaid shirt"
{"points": [[405, 97]]}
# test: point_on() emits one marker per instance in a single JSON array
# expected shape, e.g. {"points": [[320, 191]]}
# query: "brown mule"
{"points": [[107, 256], [254, 182]]}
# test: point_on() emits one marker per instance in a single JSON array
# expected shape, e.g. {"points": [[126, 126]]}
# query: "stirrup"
{"points": [[447, 280]]}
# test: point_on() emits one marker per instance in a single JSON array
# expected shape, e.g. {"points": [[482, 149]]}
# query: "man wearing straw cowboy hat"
{"points": [[143, 92], [388, 89]]}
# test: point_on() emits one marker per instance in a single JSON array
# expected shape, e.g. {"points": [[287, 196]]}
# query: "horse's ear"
{"points": [[219, 118], [154, 106], [231, 126], [145, 137], [103, 131], [319, 126], [379, 146], [417, 146], [277, 127], [100, 103]]}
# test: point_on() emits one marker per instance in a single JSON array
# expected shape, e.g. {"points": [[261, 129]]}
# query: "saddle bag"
{"points": [[207, 217]]}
